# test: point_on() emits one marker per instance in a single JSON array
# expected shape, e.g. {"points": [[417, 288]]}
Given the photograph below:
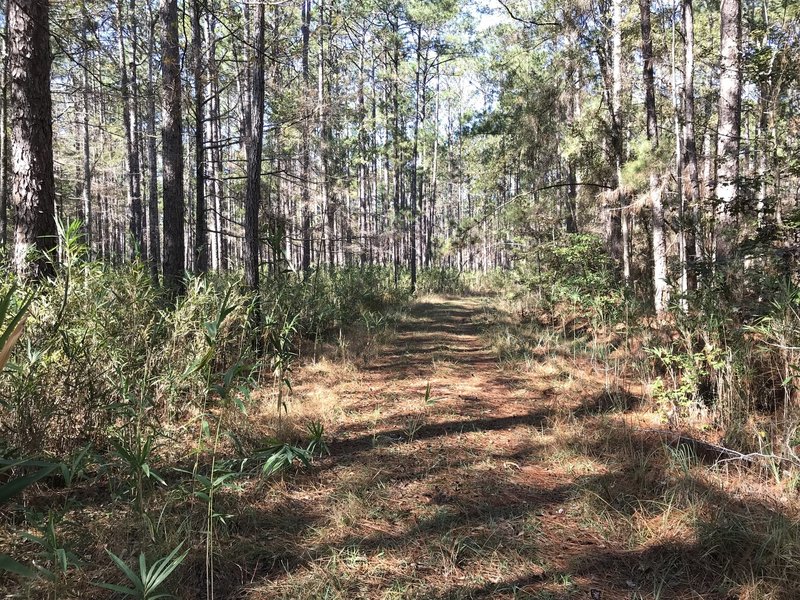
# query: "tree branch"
{"points": [[527, 21]]}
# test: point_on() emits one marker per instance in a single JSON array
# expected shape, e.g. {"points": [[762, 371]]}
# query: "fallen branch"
{"points": [[723, 454]]}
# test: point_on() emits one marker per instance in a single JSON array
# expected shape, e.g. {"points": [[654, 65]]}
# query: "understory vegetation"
{"points": [[115, 394], [149, 444], [400, 299], [727, 365]]}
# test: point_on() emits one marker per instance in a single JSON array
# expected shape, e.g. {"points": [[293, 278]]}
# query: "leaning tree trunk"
{"points": [[174, 247], [33, 186]]}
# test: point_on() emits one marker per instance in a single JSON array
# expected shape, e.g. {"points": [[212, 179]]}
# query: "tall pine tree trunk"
{"points": [[128, 86], [305, 159], [172, 143], [33, 187], [153, 232], [86, 189], [691, 186], [201, 226], [729, 128], [4, 141], [617, 134], [414, 165], [660, 287], [255, 144]]}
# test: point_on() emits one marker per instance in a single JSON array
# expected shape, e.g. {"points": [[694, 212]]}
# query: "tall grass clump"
{"points": [[103, 343]]}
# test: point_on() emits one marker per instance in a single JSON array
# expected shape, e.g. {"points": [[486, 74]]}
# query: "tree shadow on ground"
{"points": [[489, 506]]}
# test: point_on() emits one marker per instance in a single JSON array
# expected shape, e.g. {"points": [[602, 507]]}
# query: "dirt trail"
{"points": [[458, 495]]}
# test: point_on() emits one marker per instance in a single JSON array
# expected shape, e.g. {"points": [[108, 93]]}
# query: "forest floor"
{"points": [[454, 474]]}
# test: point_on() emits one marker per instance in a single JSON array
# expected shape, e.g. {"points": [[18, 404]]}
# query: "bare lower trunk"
{"points": [[201, 227], [33, 187], [154, 237], [617, 136], [128, 86], [691, 186], [174, 246], [86, 198], [4, 141], [305, 206], [729, 128], [255, 144]]}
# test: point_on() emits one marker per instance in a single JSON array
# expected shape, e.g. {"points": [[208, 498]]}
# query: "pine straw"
{"points": [[519, 480]]}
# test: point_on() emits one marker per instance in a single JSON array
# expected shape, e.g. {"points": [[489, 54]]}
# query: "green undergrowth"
{"points": [[718, 369], [113, 396]]}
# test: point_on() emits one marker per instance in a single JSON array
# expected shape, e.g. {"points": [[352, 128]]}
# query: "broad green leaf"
{"points": [[12, 566], [15, 486]]}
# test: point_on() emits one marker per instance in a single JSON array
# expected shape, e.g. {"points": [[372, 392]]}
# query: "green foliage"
{"points": [[136, 456], [316, 439], [281, 347], [441, 281], [280, 457], [52, 551], [14, 486], [74, 467], [101, 344], [148, 580], [10, 565], [575, 270], [681, 389], [12, 321], [107, 365]]}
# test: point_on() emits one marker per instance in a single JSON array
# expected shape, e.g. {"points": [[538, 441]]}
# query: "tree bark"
{"points": [[305, 207], [129, 100], [255, 145], [86, 191], [691, 187], [201, 226], [729, 128], [33, 187], [617, 134], [329, 203], [4, 141], [660, 287], [153, 232], [414, 164], [172, 144], [397, 229], [214, 138]]}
